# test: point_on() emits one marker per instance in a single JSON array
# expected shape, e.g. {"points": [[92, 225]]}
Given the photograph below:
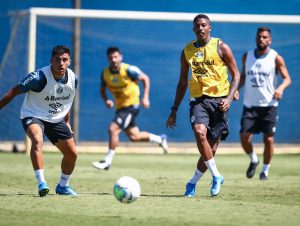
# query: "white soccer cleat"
{"points": [[164, 144], [102, 165]]}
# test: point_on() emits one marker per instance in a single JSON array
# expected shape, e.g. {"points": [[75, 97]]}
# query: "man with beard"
{"points": [[261, 95], [122, 80], [211, 95]]}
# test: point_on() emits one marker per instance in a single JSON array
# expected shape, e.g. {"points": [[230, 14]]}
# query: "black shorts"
{"points": [[259, 119], [54, 131], [125, 117], [205, 110]]}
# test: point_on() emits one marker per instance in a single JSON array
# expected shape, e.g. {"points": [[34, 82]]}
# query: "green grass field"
{"points": [[242, 201]]}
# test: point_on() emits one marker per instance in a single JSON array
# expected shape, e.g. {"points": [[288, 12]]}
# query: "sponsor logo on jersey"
{"points": [[257, 82], [28, 121], [59, 90], [55, 106], [193, 118], [258, 65], [54, 98], [204, 62], [31, 76], [201, 72], [199, 55], [259, 73]]}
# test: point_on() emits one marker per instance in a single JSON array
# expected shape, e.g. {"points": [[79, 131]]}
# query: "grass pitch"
{"points": [[242, 201]]}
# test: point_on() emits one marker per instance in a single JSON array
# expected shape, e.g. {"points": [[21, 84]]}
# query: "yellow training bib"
{"points": [[125, 91], [209, 73]]}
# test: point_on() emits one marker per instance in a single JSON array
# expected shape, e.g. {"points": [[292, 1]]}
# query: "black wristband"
{"points": [[174, 108]]}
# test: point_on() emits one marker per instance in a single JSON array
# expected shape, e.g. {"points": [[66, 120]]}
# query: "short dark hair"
{"points": [[260, 29], [199, 16], [112, 49], [60, 50]]}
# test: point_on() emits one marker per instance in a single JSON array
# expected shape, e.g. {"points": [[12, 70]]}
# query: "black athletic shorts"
{"points": [[205, 110], [54, 131], [259, 119], [125, 117]]}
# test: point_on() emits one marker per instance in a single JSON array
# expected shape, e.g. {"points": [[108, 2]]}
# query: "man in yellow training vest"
{"points": [[122, 81], [211, 95]]}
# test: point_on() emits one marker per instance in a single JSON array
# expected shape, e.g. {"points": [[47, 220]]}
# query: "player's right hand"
{"points": [[171, 122], [109, 103]]}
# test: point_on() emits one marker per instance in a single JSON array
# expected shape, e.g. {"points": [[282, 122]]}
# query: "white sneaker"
{"points": [[102, 165], [164, 144]]}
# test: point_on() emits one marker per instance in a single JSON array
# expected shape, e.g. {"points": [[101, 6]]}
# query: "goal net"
{"points": [[153, 42]]}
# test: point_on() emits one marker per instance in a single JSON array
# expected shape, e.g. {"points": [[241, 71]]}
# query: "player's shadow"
{"points": [[145, 195], [88, 193], [163, 196], [20, 194]]}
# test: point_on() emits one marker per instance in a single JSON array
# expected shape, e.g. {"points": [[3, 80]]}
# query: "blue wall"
{"points": [[94, 117]]}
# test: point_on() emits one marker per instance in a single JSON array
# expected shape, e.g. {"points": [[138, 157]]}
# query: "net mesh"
{"points": [[153, 46]]}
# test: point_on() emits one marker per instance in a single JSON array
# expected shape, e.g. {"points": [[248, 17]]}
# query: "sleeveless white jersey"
{"points": [[260, 80], [53, 103]]}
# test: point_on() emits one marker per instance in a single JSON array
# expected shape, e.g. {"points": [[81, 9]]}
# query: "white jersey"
{"points": [[260, 80], [53, 103]]}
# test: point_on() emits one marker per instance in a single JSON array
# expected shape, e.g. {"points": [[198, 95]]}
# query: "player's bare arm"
{"points": [[242, 77], [146, 83], [109, 103], [243, 71], [228, 58], [180, 91], [11, 94], [286, 79]]}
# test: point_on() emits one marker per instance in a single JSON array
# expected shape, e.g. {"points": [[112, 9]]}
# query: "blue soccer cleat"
{"points": [[216, 185], [43, 189], [65, 190], [190, 190]]}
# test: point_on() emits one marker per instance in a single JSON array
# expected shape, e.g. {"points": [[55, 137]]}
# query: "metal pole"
{"points": [[31, 60], [76, 66]]}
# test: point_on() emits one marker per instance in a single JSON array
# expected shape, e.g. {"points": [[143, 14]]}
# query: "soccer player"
{"points": [[211, 95], [261, 96], [122, 81], [49, 95]]}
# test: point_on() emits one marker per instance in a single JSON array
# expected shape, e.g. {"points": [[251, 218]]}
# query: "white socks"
{"points": [[253, 157], [211, 165], [109, 156], [64, 180], [196, 177], [39, 174], [265, 168], [155, 138]]}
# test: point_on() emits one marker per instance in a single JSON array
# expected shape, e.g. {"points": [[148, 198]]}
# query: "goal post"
{"points": [[162, 16], [34, 15]]}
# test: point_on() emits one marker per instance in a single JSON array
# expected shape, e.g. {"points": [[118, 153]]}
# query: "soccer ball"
{"points": [[127, 189]]}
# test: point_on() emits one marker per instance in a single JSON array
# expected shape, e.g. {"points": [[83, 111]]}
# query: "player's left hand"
{"points": [[225, 104], [145, 103], [278, 94]]}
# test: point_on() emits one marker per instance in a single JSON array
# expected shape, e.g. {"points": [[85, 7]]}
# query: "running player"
{"points": [[122, 81]]}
